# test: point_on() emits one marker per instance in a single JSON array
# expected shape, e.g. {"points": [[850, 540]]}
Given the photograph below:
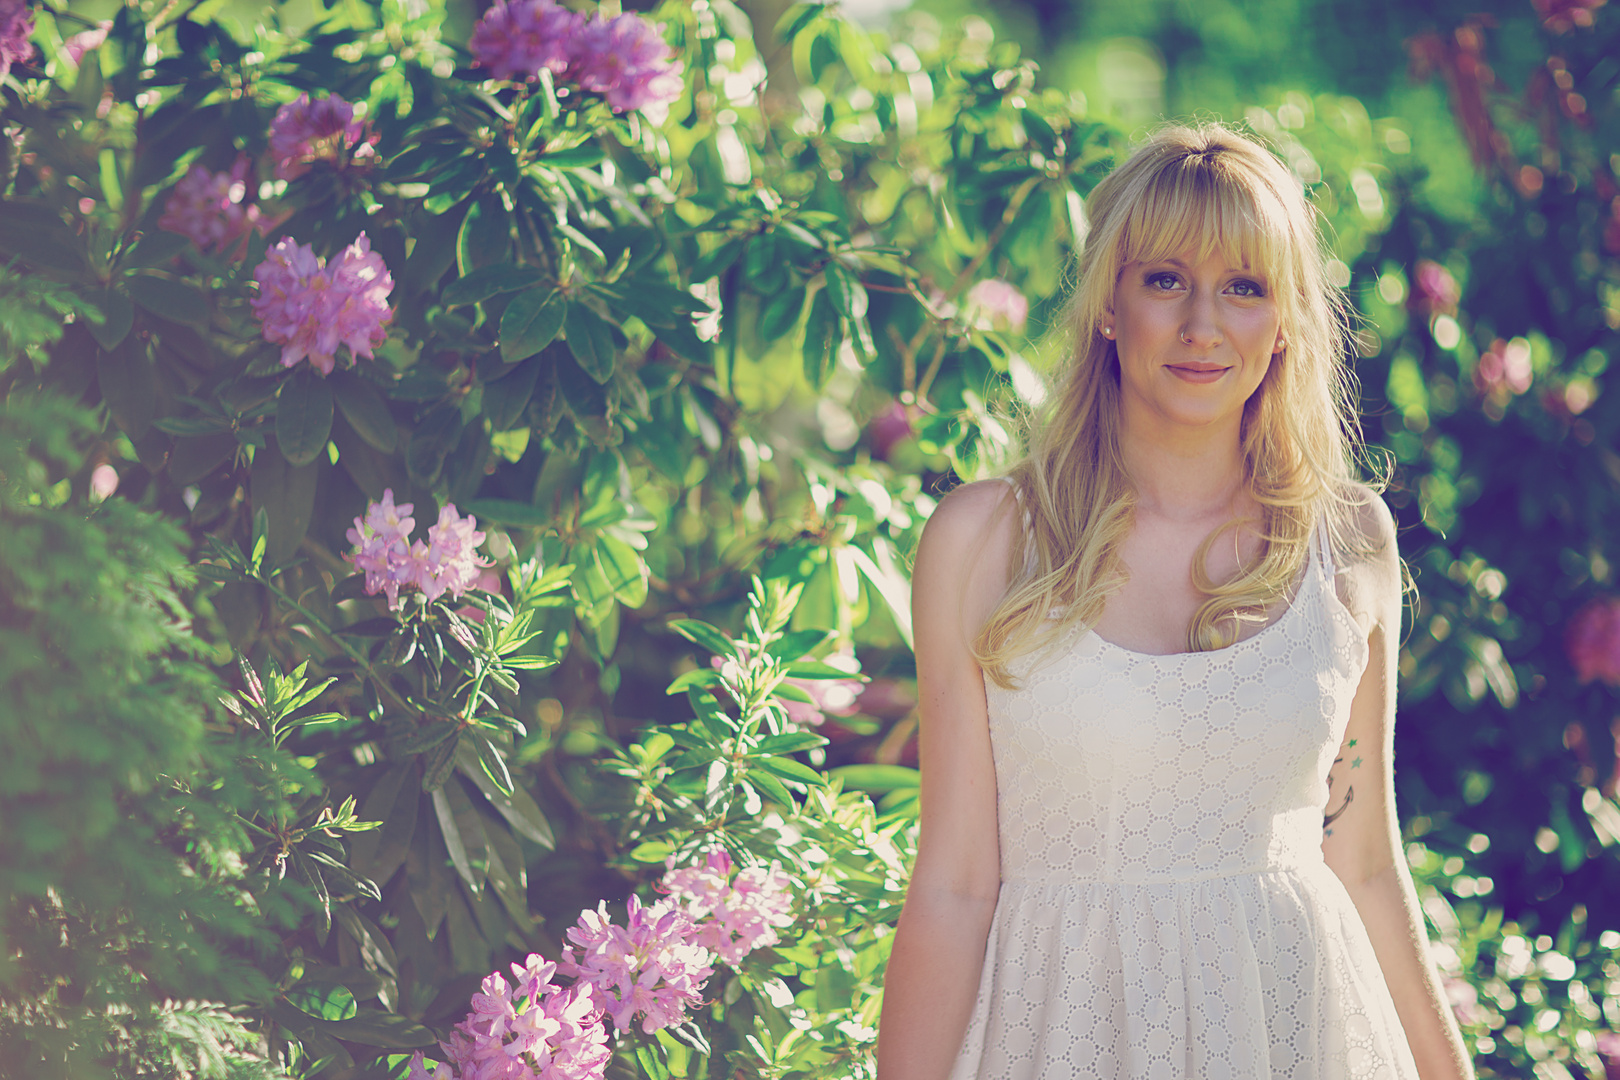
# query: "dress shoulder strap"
{"points": [[1322, 546]]}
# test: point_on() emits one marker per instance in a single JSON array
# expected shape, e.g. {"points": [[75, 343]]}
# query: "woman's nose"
{"points": [[1201, 328]]}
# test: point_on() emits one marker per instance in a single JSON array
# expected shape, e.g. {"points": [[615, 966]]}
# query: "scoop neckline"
{"points": [[1311, 573]]}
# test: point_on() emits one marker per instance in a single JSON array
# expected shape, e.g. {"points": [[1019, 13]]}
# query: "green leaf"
{"points": [[719, 260], [815, 669], [531, 322], [517, 806], [119, 317], [781, 315], [488, 281], [365, 410], [463, 837], [286, 495], [821, 337], [847, 293], [624, 569], [329, 1002], [506, 398], [508, 512], [383, 1029], [876, 778], [788, 769], [169, 298], [697, 677], [582, 156], [303, 417], [701, 633], [154, 249], [652, 851], [591, 342], [790, 743], [128, 385], [194, 458]]}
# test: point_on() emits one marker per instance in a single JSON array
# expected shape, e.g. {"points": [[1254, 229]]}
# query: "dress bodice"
{"points": [[1119, 766]]}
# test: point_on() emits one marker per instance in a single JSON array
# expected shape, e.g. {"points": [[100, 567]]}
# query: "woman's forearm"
{"points": [[1389, 909], [931, 983]]}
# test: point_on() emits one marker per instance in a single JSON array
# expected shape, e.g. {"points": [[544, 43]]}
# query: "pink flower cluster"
{"points": [[206, 207], [994, 304], [1503, 370], [1560, 16], [309, 308], [653, 967], [16, 27], [447, 563], [624, 59], [305, 131], [649, 967], [1434, 290], [85, 40], [1593, 641], [534, 1030], [733, 915]]}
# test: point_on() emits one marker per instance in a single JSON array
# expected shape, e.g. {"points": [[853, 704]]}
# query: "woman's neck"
{"points": [[1183, 473]]}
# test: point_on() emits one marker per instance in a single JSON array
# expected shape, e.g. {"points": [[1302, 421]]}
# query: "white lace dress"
{"points": [[1165, 910]]}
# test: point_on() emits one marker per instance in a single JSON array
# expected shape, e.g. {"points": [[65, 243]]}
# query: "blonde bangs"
{"points": [[1206, 207], [1185, 192]]}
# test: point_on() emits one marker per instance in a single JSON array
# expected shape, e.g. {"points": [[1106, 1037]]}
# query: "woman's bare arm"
{"points": [[1361, 840], [938, 953]]}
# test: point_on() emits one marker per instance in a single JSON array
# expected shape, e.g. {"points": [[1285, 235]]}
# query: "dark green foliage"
{"points": [[118, 794]]}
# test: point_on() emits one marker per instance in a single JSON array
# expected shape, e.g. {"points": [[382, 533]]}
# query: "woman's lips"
{"points": [[1197, 372]]}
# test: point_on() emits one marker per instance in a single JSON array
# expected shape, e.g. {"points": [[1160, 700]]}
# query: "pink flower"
{"points": [[85, 40], [382, 549], [534, 1030], [310, 310], [1593, 641], [733, 916], [1561, 15], [649, 967], [1504, 369], [419, 1070], [16, 27], [447, 563], [888, 428], [360, 287], [626, 60], [1434, 290], [206, 207], [304, 131], [994, 304], [514, 41]]}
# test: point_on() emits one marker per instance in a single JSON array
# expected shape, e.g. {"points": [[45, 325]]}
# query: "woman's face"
{"points": [[1194, 339]]}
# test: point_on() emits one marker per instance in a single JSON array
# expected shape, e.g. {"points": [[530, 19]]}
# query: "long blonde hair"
{"points": [[1186, 190]]}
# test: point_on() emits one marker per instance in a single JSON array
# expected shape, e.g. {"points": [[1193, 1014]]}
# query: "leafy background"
{"points": [[702, 383]]}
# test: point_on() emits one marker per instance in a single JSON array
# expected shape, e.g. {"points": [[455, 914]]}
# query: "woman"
{"points": [[1153, 662]]}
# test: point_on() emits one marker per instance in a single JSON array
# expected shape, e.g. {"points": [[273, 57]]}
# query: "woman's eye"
{"points": [[1163, 281], [1246, 288]]}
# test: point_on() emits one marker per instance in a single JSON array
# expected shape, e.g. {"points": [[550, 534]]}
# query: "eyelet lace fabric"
{"points": [[1165, 910]]}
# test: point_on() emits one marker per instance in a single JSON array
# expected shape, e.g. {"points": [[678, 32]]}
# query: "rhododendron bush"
{"points": [[508, 368], [551, 394]]}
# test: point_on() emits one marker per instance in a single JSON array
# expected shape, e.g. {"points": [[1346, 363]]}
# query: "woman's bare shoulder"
{"points": [[1371, 575], [969, 541]]}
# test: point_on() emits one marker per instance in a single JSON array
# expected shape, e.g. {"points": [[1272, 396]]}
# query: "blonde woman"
{"points": [[1157, 667]]}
